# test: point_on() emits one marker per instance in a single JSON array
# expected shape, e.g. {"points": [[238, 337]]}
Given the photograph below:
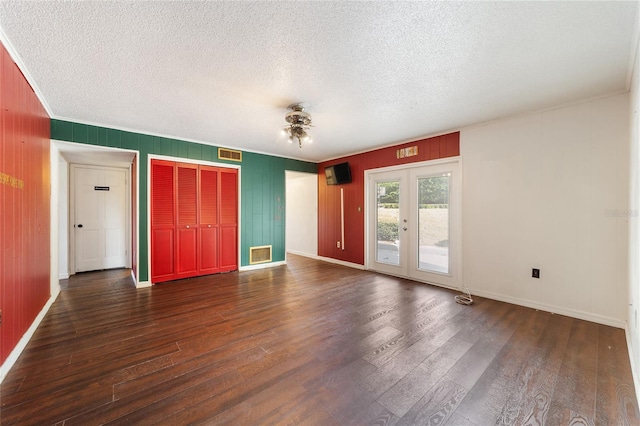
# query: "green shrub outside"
{"points": [[422, 206], [387, 231]]}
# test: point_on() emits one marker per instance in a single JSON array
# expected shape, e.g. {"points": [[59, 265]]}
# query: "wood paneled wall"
{"points": [[24, 205], [262, 183], [329, 229]]}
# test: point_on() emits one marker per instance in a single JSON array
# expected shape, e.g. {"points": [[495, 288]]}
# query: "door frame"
{"points": [[72, 211], [456, 282], [198, 162]]}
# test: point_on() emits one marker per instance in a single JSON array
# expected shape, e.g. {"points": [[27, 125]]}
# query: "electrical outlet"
{"points": [[535, 273], [338, 244]]}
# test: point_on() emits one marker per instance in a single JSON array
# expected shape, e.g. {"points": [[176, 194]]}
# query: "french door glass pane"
{"points": [[433, 224], [387, 222]]}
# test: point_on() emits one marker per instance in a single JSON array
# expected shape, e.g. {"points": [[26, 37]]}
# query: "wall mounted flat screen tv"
{"points": [[338, 174]]}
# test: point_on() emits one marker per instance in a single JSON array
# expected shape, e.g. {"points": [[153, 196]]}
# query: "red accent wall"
{"points": [[24, 205], [329, 230]]}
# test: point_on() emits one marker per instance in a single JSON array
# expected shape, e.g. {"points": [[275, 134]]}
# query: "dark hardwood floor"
{"points": [[310, 343]]}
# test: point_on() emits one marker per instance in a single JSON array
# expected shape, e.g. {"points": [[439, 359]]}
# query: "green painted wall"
{"points": [[262, 183]]}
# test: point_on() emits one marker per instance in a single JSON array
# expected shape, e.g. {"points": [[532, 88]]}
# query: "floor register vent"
{"points": [[259, 254]]}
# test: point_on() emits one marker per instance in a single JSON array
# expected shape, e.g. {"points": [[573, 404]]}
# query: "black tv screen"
{"points": [[338, 174]]}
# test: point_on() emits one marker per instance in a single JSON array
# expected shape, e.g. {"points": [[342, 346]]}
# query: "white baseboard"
{"points": [[340, 262], [63, 276], [574, 313], [299, 253], [15, 353], [261, 266], [141, 284], [634, 370]]}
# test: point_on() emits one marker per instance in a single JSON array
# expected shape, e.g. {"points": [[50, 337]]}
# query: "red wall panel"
{"points": [[329, 226], [25, 205]]}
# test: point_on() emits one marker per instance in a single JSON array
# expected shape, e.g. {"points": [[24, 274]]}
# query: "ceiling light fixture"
{"points": [[299, 123]]}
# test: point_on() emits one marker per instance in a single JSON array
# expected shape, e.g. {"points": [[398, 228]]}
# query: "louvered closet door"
{"points": [[187, 220], [162, 221], [209, 224], [228, 219], [194, 220]]}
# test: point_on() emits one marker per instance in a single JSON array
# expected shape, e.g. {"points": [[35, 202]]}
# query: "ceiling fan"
{"points": [[299, 123]]}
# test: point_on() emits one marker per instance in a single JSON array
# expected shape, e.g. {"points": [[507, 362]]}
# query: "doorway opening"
{"points": [[72, 155], [301, 215]]}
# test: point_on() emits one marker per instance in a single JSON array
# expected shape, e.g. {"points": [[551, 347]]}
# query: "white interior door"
{"points": [[100, 225], [414, 222]]}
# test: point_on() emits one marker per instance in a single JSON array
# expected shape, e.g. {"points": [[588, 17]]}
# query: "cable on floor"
{"points": [[464, 299]]}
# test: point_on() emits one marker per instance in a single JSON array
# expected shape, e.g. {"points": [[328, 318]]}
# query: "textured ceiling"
{"points": [[371, 73]]}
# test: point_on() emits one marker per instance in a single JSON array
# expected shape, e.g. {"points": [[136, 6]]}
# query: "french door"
{"points": [[414, 222]]}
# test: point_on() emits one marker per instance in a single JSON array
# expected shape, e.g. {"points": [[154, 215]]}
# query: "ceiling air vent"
{"points": [[229, 154], [260, 254]]}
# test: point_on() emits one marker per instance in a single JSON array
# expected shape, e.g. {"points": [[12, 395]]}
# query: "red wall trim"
{"points": [[329, 229], [24, 205]]}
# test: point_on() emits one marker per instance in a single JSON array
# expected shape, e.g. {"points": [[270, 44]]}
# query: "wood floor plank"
{"points": [[574, 395], [437, 406], [615, 398], [220, 360], [298, 364], [310, 343], [485, 401], [413, 386]]}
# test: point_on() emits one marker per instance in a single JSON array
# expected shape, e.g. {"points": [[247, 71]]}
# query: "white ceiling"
{"points": [[372, 73]]}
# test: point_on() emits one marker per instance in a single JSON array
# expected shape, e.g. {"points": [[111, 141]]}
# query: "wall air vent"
{"points": [[229, 154], [259, 254]]}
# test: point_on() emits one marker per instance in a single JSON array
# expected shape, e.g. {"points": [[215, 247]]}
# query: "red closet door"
{"points": [[194, 220], [228, 219], [186, 220], [209, 224], [162, 220]]}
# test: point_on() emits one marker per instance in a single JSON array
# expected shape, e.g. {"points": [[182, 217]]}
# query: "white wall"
{"points": [[550, 190], [63, 219], [54, 164], [301, 213], [633, 337]]}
